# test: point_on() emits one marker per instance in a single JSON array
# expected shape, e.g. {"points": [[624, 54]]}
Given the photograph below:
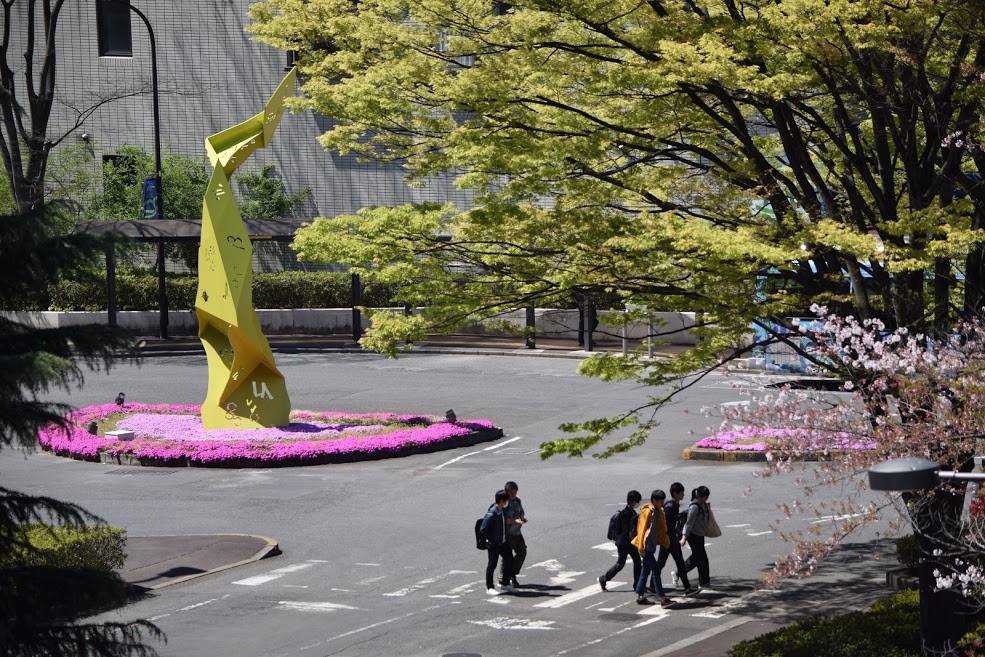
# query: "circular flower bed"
{"points": [[173, 435]]}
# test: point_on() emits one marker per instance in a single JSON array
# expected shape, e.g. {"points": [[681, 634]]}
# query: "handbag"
{"points": [[712, 530]]}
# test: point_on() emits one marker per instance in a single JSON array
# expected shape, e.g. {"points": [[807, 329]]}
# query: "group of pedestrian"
{"points": [[501, 527], [658, 532]]}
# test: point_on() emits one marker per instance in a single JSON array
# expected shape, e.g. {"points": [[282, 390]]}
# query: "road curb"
{"points": [[729, 456], [271, 549]]}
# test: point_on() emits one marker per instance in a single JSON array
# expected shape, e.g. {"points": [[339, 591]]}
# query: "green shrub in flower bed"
{"points": [[138, 290], [889, 628], [91, 548]]}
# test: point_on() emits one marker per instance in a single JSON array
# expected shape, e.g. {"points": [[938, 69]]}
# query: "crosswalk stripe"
{"points": [[273, 574], [574, 596], [314, 606]]}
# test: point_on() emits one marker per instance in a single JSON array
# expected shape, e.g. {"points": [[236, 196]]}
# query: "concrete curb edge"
{"points": [[271, 549]]}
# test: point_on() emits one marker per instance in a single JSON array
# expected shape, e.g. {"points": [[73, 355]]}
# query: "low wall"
{"points": [[672, 328]]}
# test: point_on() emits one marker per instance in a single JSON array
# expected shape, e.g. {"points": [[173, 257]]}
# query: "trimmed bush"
{"points": [[890, 628], [94, 548], [907, 551], [137, 290]]}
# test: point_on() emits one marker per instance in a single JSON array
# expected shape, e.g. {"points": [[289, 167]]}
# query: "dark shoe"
{"points": [[704, 585], [515, 583], [692, 591], [602, 582], [667, 602], [641, 600]]}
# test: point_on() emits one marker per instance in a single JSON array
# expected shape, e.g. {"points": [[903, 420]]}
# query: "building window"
{"points": [[113, 23], [292, 59]]}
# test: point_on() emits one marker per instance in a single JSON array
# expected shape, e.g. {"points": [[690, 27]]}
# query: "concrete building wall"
{"points": [[211, 76]]}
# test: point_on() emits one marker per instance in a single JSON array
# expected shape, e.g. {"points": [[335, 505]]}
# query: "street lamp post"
{"points": [[158, 191], [941, 621]]}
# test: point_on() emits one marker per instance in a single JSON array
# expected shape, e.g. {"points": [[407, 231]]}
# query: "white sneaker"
{"points": [[508, 588], [492, 592], [676, 579]]}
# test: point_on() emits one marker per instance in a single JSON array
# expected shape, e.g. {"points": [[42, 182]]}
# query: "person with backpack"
{"points": [[694, 535], [621, 526], [651, 534], [493, 529], [675, 524], [515, 519]]}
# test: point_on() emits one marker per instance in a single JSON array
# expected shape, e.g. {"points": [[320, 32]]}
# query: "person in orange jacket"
{"points": [[651, 534]]}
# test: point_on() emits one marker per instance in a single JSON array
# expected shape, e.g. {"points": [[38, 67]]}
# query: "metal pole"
{"points": [[158, 190], [111, 283], [625, 347], [357, 324], [649, 334], [531, 336]]}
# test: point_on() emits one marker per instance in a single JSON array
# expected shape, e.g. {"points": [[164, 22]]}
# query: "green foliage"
{"points": [[972, 644], [907, 551], [263, 195], [687, 151], [98, 548], [43, 586], [890, 628], [138, 290]]}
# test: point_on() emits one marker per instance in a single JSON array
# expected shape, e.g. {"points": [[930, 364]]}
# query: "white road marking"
{"points": [[459, 458], [369, 564], [273, 574], [295, 586], [341, 590], [189, 607], [370, 627], [498, 445], [616, 607], [606, 547], [372, 579], [424, 582], [574, 596], [736, 526], [562, 576], [833, 518], [729, 606], [499, 601], [758, 533], [503, 623], [458, 591], [313, 606]]}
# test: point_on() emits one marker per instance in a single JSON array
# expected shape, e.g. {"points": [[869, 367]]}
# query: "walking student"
{"points": [[675, 523], [493, 528], [694, 535], [651, 534], [515, 519], [627, 521]]}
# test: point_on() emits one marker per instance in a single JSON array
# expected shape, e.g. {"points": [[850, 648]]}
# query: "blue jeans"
{"points": [[650, 569]]}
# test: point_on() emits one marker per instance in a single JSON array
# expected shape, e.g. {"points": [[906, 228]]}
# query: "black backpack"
{"points": [[480, 540], [613, 533]]}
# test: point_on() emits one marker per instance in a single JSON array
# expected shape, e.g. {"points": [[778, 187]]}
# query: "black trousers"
{"points": [[625, 550], [676, 552], [519, 549], [698, 559], [494, 554]]}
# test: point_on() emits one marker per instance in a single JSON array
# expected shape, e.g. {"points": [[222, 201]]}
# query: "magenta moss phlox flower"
{"points": [[319, 434], [762, 439]]}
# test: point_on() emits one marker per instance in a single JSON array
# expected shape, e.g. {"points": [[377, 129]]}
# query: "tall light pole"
{"points": [[942, 621], [158, 191]]}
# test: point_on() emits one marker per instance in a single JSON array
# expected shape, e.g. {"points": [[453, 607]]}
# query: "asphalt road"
{"points": [[379, 558]]}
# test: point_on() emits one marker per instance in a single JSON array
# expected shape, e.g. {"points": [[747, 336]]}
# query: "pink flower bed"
{"points": [[174, 433], [761, 439]]}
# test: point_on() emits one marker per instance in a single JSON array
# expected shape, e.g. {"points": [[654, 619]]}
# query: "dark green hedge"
{"points": [[138, 291], [890, 628]]}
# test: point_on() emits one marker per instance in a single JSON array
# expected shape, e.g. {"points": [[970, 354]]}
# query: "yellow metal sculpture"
{"points": [[246, 390]]}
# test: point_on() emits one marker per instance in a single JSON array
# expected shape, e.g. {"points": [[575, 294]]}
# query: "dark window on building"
{"points": [[292, 59], [113, 25]]}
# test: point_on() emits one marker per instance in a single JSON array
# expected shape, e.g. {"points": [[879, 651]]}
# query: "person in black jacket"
{"points": [[493, 528], [627, 521], [675, 521]]}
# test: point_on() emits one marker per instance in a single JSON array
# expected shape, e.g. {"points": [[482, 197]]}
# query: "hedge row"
{"points": [[890, 628], [139, 291], [95, 548]]}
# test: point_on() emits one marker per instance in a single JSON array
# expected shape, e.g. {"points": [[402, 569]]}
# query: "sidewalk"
{"points": [[154, 562], [460, 343]]}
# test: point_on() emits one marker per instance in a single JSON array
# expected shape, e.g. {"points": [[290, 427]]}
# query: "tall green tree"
{"points": [[739, 159], [39, 605]]}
